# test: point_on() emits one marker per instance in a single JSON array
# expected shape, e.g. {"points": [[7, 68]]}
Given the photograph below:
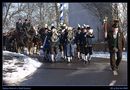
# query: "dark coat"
{"points": [[82, 38], [25, 26], [47, 40], [111, 41], [63, 38], [29, 26], [89, 39], [77, 38], [18, 26]]}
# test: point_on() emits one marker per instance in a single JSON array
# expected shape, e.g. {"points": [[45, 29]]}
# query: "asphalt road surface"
{"points": [[77, 73]]}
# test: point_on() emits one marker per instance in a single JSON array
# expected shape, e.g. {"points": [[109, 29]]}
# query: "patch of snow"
{"points": [[107, 55], [19, 73]]}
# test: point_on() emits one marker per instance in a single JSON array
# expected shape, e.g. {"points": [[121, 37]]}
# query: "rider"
{"points": [[29, 24], [19, 25], [25, 25]]}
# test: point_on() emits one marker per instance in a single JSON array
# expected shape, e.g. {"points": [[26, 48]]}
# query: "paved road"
{"points": [[97, 73]]}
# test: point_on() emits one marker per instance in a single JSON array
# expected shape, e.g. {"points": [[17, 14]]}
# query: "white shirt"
{"points": [[115, 33]]}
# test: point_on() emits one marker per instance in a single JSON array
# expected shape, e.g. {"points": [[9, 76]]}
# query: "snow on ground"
{"points": [[107, 55], [16, 67]]}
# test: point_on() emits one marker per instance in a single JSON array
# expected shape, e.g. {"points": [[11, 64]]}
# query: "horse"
{"points": [[29, 40], [24, 38], [9, 40], [37, 41], [20, 40], [4, 38]]}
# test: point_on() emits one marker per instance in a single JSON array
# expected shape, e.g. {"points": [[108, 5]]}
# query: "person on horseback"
{"points": [[19, 25], [25, 25], [29, 25]]}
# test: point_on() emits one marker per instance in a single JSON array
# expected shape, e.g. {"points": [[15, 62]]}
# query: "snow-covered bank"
{"points": [[16, 67], [107, 55]]}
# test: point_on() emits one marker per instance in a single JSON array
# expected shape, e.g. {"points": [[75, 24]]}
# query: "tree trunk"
{"points": [[40, 14], [57, 15], [5, 18]]}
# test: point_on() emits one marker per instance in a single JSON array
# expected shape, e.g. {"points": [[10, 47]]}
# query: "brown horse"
{"points": [[24, 39], [29, 40], [37, 44], [19, 37]]}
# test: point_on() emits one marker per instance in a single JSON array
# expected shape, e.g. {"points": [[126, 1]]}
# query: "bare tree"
{"points": [[6, 8], [57, 14], [100, 10]]}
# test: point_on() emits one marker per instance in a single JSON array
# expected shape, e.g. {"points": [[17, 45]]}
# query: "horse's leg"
{"points": [[38, 48], [32, 48], [62, 51], [35, 49], [22, 49], [29, 49], [18, 49]]}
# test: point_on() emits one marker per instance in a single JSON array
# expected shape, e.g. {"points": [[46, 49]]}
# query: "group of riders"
{"points": [[53, 40]]}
